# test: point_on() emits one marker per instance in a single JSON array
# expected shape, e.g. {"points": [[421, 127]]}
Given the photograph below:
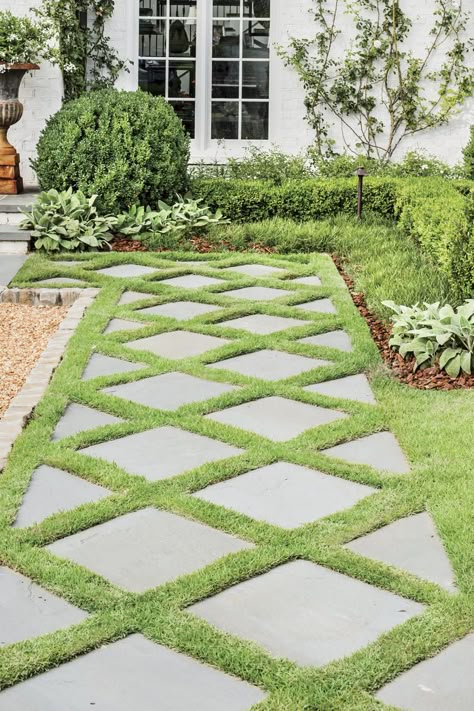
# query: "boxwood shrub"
{"points": [[124, 147]]}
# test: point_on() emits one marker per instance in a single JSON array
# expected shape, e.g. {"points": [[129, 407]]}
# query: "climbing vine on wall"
{"points": [[375, 85], [83, 50]]}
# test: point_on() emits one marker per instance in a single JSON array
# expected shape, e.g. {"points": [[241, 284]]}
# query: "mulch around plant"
{"points": [[199, 245], [428, 378], [24, 334]]}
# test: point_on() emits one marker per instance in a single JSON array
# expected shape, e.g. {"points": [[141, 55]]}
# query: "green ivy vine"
{"points": [[376, 88], [83, 51]]}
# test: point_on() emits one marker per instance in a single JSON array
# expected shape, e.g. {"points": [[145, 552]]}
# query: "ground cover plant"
{"points": [[435, 430]]}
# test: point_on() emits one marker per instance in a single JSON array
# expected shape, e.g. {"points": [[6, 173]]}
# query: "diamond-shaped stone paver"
{"points": [[161, 453], [190, 263], [79, 418], [52, 491], [100, 365], [126, 271], [169, 391], [255, 270], [256, 293], [191, 281], [276, 418], [443, 683], [69, 263], [307, 613], [131, 297], [320, 306], [308, 281], [353, 387], [269, 365], [262, 324], [63, 280], [132, 673], [120, 324], [28, 610], [333, 339], [285, 495], [180, 310], [412, 544], [146, 548], [380, 451], [178, 344]]}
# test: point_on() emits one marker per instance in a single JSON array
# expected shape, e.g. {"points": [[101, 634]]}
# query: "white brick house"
{"points": [[216, 61]]}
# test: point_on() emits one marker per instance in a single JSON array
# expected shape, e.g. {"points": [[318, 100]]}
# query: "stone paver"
{"points": [[52, 491], [277, 418], [256, 293], [180, 310], [28, 610], [380, 451], [320, 306], [269, 365], [308, 281], [255, 270], [120, 324], [63, 280], [161, 453], [79, 418], [307, 613], [99, 365], [191, 281], [146, 548], [133, 673], [353, 387], [412, 544], [69, 263], [10, 264], [131, 297], [333, 339], [126, 271], [443, 683], [285, 495], [263, 325], [169, 391], [178, 344]]}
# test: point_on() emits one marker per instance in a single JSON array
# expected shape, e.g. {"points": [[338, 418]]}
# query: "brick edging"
{"points": [[21, 407]]}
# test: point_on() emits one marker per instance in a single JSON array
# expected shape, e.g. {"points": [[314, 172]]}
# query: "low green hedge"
{"points": [[438, 214]]}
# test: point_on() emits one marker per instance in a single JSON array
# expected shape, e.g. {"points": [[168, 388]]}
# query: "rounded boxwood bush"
{"points": [[125, 147]]}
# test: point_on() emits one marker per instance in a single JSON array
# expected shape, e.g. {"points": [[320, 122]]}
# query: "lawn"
{"points": [[435, 430]]}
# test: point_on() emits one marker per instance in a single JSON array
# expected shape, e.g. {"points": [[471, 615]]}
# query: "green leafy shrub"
{"points": [[415, 164], [125, 147], [22, 40], [469, 157], [435, 334], [68, 221]]}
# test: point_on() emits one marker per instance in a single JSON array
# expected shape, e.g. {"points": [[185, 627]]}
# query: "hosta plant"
{"points": [[67, 221], [435, 334]]}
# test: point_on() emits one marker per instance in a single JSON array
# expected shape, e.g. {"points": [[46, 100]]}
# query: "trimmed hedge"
{"points": [[438, 214]]}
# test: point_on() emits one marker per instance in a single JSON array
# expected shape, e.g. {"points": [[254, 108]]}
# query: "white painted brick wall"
{"points": [[41, 94]]}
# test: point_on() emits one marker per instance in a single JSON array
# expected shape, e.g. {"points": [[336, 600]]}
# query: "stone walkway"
{"points": [[200, 434]]}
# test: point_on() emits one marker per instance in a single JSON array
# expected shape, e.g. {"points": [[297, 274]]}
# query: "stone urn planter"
{"points": [[11, 111]]}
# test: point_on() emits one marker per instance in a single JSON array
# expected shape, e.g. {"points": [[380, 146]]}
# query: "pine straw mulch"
{"points": [[426, 379], [24, 334]]}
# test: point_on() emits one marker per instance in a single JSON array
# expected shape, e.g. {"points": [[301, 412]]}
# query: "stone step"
{"points": [[14, 240], [15, 203]]}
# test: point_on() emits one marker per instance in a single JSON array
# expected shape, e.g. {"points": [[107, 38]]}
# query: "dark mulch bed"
{"points": [[196, 244], [426, 379]]}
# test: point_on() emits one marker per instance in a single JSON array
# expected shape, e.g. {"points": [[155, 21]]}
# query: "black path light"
{"points": [[361, 174]]}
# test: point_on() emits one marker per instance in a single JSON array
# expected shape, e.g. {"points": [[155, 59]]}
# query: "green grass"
{"points": [[435, 429]]}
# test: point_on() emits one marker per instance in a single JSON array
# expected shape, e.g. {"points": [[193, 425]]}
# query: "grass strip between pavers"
{"points": [[434, 429]]}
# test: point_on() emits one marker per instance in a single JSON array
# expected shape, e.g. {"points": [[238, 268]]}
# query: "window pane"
{"points": [[152, 76], [152, 42], [153, 8], [226, 39], [226, 8], [255, 81], [225, 80], [225, 119], [182, 38], [256, 8], [255, 121], [182, 79], [186, 8], [256, 39], [186, 111]]}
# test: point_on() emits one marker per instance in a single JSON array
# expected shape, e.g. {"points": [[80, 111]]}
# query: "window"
{"points": [[229, 51]]}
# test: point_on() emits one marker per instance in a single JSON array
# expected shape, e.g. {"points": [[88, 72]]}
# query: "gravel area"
{"points": [[24, 334]]}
